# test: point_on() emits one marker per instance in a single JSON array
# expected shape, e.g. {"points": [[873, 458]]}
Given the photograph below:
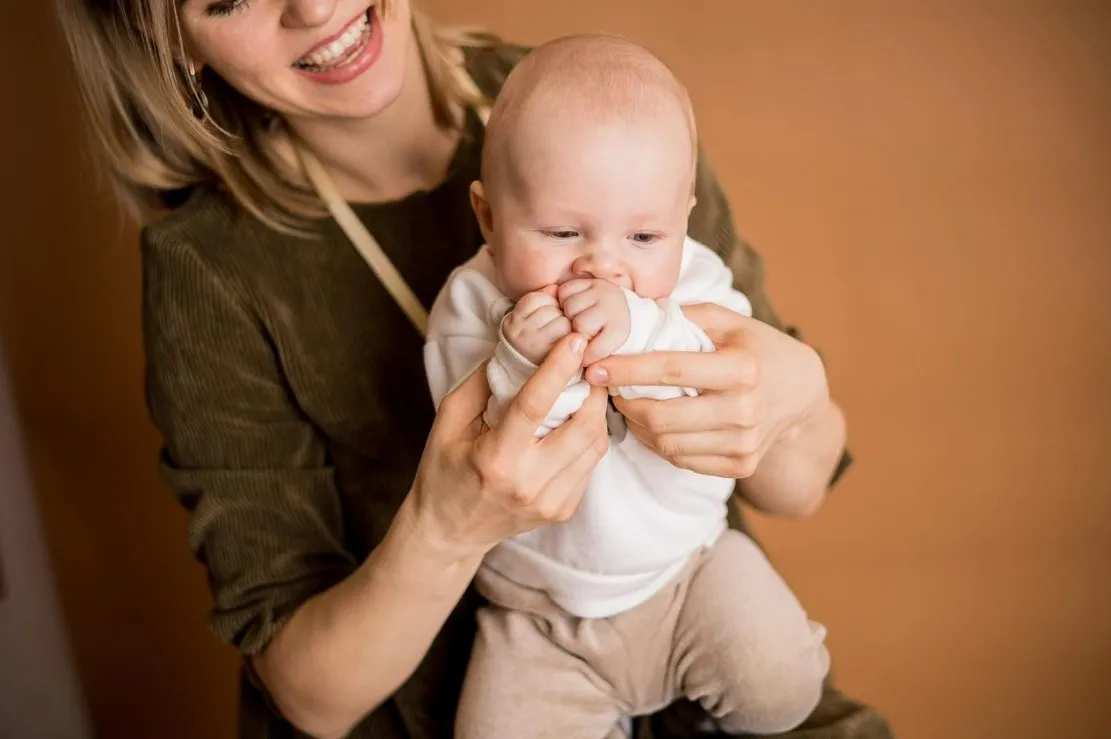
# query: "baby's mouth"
{"points": [[343, 50]]}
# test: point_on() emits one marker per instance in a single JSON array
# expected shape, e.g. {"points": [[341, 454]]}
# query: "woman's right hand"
{"points": [[477, 486]]}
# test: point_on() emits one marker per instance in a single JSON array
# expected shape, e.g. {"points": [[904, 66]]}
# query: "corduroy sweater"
{"points": [[291, 396]]}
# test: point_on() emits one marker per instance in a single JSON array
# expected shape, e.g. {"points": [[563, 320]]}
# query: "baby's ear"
{"points": [[482, 209], [694, 202]]}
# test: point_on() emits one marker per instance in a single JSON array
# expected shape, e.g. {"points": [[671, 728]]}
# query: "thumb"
{"points": [[463, 407]]}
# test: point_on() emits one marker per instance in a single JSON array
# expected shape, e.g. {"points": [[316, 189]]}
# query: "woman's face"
{"points": [[304, 58]]}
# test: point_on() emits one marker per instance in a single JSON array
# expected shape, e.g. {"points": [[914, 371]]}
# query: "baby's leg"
{"points": [[519, 684], [744, 647]]}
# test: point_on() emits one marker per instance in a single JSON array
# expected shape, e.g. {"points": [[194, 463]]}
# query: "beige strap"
{"points": [[364, 243], [361, 238]]}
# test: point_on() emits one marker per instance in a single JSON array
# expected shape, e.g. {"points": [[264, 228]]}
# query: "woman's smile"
{"points": [[345, 55]]}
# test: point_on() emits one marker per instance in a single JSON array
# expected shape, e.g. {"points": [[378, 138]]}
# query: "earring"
{"points": [[200, 100]]}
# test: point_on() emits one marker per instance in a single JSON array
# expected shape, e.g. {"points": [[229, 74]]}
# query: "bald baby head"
{"points": [[588, 169], [579, 81]]}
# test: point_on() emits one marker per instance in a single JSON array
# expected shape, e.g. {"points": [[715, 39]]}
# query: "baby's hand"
{"points": [[535, 324], [598, 310]]}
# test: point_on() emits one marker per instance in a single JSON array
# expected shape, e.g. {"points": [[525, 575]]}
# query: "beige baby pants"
{"points": [[726, 632]]}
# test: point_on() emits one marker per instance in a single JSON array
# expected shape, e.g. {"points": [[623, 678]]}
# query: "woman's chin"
{"points": [[348, 102], [365, 97]]}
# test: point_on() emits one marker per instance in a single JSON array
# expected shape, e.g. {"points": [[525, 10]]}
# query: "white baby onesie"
{"points": [[641, 517]]}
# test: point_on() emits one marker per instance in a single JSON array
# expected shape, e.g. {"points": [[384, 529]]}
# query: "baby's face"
{"points": [[595, 200]]}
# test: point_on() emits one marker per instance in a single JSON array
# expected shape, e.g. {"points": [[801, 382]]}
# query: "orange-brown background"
{"points": [[930, 184]]}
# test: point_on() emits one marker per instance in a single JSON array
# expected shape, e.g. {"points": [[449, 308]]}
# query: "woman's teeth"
{"points": [[337, 52]]}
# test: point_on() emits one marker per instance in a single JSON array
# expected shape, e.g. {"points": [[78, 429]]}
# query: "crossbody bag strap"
{"points": [[367, 246]]}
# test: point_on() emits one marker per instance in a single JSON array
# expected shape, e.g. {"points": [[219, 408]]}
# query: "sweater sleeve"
{"points": [[711, 223], [251, 471]]}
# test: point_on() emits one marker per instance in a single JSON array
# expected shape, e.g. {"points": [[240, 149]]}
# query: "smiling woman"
{"points": [[147, 64], [340, 519]]}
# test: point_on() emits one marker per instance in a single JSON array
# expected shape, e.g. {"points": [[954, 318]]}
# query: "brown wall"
{"points": [[931, 186]]}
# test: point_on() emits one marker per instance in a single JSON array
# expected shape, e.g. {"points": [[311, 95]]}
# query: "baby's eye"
{"points": [[645, 239], [561, 234]]}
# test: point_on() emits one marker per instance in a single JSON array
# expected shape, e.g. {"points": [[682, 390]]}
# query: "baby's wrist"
{"points": [[523, 348]]}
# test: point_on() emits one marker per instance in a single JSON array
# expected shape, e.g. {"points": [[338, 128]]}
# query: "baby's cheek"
{"points": [[521, 274], [657, 278]]}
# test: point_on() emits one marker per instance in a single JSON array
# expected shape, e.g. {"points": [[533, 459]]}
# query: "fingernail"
{"points": [[597, 374], [578, 344]]}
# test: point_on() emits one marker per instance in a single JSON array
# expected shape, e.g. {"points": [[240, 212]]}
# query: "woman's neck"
{"points": [[384, 158]]}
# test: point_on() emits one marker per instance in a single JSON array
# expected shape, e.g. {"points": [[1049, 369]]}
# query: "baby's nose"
{"points": [[598, 266]]}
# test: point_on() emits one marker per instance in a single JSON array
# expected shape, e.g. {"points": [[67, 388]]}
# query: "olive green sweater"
{"points": [[291, 396]]}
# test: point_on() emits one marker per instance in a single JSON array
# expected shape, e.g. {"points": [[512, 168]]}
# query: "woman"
{"points": [[341, 523]]}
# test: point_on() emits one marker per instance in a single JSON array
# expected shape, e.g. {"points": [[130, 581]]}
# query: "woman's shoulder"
{"points": [[207, 243], [197, 216], [207, 228]]}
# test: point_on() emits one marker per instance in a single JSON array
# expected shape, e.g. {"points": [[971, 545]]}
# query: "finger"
{"points": [[590, 321], [604, 344], [547, 315], [532, 404], [572, 287], [533, 302], [554, 330], [539, 318], [526, 305], [585, 429], [705, 412], [578, 303], [459, 408], [561, 496], [723, 442], [676, 415], [720, 370], [720, 324], [719, 466]]}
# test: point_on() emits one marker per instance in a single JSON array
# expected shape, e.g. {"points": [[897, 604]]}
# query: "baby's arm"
{"points": [[462, 330], [526, 335]]}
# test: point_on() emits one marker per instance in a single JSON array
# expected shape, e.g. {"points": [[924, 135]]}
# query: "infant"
{"points": [[643, 596]]}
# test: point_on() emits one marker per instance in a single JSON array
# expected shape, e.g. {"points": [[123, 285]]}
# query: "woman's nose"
{"points": [[308, 13]]}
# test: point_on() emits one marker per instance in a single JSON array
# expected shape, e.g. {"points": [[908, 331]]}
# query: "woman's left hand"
{"points": [[759, 387]]}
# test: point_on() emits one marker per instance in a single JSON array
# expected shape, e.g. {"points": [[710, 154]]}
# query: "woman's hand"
{"points": [[477, 486], [764, 395], [349, 648]]}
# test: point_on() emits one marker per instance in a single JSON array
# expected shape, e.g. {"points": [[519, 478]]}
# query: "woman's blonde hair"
{"points": [[141, 104]]}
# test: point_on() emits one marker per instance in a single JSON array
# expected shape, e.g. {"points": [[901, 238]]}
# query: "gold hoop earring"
{"points": [[200, 100]]}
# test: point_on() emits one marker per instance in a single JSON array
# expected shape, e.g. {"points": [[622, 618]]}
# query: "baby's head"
{"points": [[588, 169]]}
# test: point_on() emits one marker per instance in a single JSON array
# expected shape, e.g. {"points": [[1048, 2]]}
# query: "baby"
{"points": [[644, 596]]}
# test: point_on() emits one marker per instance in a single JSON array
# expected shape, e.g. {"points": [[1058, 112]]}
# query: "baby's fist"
{"points": [[535, 324], [598, 310]]}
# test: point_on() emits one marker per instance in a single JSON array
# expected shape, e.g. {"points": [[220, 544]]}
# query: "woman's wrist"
{"points": [[349, 648], [418, 537], [792, 478]]}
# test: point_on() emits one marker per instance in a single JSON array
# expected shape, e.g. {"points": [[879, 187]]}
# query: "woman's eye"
{"points": [[226, 7]]}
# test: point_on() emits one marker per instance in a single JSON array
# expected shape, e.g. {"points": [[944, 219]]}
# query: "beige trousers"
{"points": [[726, 632]]}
